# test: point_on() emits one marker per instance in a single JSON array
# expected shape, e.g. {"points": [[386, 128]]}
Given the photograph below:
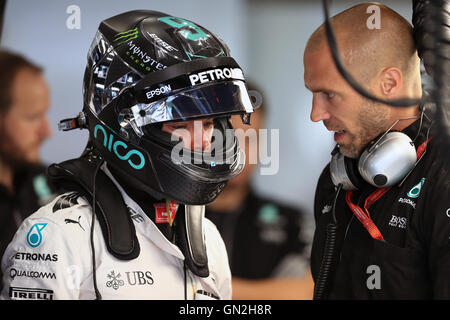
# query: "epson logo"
{"points": [[215, 74], [158, 91]]}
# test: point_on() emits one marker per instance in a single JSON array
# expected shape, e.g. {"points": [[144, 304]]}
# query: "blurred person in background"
{"points": [[265, 239], [24, 102]]}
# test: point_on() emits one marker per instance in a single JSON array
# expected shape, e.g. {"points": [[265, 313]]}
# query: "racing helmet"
{"points": [[145, 68]]}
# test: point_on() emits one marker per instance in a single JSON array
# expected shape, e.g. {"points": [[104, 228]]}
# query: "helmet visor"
{"points": [[217, 160], [209, 170], [210, 100]]}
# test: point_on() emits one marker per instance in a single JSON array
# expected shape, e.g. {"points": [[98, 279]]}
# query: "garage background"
{"points": [[267, 38]]}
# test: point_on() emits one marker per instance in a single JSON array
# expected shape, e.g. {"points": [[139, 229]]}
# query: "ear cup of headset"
{"points": [[345, 171], [383, 164], [388, 161]]}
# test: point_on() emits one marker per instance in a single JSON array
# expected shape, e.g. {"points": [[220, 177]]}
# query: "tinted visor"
{"points": [[222, 160], [209, 100]]}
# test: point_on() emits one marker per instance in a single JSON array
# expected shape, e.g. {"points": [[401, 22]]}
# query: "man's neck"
{"points": [[6, 176], [407, 116]]}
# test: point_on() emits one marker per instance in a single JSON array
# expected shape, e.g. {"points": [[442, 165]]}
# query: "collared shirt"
{"points": [[50, 258]]}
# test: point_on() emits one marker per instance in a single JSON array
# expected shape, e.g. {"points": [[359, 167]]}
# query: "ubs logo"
{"points": [[119, 147], [139, 278], [133, 278]]}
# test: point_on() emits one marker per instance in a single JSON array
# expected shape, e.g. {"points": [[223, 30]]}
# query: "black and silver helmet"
{"points": [[146, 68]]}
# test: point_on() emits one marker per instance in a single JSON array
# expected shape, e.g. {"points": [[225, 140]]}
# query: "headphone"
{"points": [[383, 163]]}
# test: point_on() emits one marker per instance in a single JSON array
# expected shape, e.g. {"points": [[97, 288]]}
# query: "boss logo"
{"points": [[399, 222], [120, 148]]}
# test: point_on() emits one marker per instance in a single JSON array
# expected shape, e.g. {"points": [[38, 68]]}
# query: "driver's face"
{"points": [[196, 134]]}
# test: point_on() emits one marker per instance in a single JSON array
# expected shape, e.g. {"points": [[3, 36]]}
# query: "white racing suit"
{"points": [[50, 257]]}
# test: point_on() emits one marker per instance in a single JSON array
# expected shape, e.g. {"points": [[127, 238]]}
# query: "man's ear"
{"points": [[391, 81]]}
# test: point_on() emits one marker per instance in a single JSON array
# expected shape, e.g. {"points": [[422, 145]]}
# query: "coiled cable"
{"points": [[327, 266], [431, 21], [98, 296]]}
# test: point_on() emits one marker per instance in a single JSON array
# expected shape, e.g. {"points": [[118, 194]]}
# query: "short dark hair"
{"points": [[10, 65]]}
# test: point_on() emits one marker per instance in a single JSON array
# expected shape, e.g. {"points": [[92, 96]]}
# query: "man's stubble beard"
{"points": [[373, 120], [11, 155]]}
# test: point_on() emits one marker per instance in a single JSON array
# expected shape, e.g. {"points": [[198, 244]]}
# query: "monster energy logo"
{"points": [[125, 36], [141, 58]]}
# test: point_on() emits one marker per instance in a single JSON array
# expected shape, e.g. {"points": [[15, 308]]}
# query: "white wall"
{"points": [[267, 38]]}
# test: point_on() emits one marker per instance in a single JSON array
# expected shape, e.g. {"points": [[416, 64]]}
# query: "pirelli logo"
{"points": [[30, 294]]}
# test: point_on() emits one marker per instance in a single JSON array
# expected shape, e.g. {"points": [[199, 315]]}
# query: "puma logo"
{"points": [[73, 221]]}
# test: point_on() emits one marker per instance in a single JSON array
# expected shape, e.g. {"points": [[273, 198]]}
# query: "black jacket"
{"points": [[414, 260], [32, 190]]}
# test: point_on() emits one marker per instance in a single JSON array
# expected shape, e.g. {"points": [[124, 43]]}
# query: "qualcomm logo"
{"points": [[34, 236], [116, 146], [415, 191]]}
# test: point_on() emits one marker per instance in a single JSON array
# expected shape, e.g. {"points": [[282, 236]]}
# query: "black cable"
{"points": [[420, 126], [2, 15], [185, 279], [322, 284], [431, 21], [405, 102], [98, 296]]}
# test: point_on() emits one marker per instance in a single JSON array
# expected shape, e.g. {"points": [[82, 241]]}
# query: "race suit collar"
{"points": [[147, 227]]}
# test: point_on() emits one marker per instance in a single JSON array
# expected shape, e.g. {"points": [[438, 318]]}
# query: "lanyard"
{"points": [[363, 214]]}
